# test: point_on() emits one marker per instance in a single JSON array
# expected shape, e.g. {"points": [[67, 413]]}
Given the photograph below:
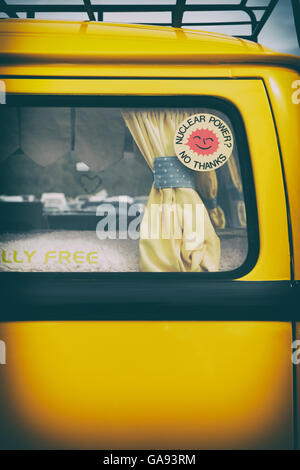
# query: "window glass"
{"points": [[93, 189]]}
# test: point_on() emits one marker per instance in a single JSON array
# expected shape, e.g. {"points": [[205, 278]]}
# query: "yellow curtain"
{"points": [[153, 132]]}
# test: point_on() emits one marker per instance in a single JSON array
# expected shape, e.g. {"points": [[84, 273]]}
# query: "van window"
{"points": [[94, 189]]}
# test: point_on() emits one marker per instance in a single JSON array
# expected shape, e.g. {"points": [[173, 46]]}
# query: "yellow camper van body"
{"points": [[164, 384]]}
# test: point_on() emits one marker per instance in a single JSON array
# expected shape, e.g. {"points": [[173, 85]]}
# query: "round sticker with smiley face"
{"points": [[203, 142]]}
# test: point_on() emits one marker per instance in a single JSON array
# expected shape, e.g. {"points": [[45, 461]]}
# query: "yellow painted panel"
{"points": [[115, 70], [168, 385], [156, 384]]}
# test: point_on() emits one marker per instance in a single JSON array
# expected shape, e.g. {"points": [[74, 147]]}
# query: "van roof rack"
{"points": [[177, 9]]}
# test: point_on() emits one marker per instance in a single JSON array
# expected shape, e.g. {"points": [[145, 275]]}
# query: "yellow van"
{"points": [[114, 338]]}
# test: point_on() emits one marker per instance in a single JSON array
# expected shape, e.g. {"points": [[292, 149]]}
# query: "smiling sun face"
{"points": [[203, 142]]}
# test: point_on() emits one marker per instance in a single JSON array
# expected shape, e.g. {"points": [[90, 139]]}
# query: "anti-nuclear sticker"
{"points": [[203, 142]]}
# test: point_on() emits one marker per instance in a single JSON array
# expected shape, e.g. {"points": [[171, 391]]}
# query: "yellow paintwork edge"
{"points": [[48, 41]]}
